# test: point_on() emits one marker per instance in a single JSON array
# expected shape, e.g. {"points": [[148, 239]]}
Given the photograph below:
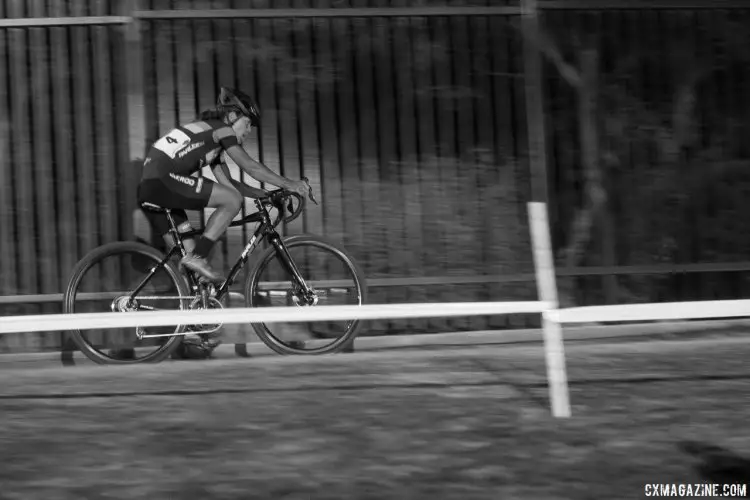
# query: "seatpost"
{"points": [[175, 232]]}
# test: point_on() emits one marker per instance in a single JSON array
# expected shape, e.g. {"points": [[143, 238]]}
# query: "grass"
{"points": [[429, 424]]}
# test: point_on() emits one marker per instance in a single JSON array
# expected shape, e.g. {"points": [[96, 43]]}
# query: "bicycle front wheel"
{"points": [[104, 281], [335, 278]]}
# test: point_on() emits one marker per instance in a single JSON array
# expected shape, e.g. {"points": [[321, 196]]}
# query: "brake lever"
{"points": [[310, 191]]}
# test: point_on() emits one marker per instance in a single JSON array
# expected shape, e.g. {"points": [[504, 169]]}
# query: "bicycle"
{"points": [[276, 276]]}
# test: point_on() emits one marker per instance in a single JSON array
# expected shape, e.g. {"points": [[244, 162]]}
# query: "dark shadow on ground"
{"points": [[718, 465], [66, 353], [525, 390]]}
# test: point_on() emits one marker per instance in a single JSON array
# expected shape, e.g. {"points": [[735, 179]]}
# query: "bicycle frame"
{"points": [[266, 229]]}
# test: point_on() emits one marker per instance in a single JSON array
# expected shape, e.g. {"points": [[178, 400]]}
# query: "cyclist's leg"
{"points": [[227, 201], [180, 192]]}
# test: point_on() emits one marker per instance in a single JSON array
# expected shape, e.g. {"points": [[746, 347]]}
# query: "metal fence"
{"points": [[411, 123], [62, 114]]}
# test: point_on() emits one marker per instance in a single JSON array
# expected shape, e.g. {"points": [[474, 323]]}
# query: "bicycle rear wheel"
{"points": [[336, 280], [104, 281]]}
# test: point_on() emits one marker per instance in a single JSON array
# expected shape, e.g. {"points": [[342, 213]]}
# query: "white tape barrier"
{"points": [[660, 311], [86, 321], [664, 311]]}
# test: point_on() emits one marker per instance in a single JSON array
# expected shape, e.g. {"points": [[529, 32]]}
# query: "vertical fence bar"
{"points": [[434, 234], [639, 155], [388, 134], [500, 127], [399, 166], [373, 196], [253, 28], [62, 150], [23, 174], [206, 90], [518, 132], [464, 91], [302, 98], [266, 52], [447, 168], [332, 132], [23, 196], [133, 81], [22, 157], [607, 223], [289, 67], [85, 166], [8, 268], [278, 59], [621, 43], [306, 124], [150, 82], [395, 166], [488, 179], [104, 138], [44, 169], [229, 74], [408, 166], [164, 47], [184, 70], [347, 133], [225, 71], [241, 46], [135, 85], [416, 38], [326, 75]]}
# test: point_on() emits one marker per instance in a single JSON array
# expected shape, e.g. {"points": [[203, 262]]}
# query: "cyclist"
{"points": [[167, 179]]}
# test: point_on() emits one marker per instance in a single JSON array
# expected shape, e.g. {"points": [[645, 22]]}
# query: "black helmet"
{"points": [[230, 98]]}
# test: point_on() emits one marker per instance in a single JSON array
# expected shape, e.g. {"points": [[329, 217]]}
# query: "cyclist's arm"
{"points": [[257, 170], [225, 177]]}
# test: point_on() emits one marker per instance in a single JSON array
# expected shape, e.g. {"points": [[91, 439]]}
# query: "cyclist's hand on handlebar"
{"points": [[299, 187]]}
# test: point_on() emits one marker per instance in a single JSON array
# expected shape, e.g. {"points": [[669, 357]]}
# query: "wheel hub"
{"points": [[124, 304], [300, 300]]}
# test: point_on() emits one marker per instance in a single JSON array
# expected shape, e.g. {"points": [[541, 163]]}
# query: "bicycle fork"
{"points": [[290, 266]]}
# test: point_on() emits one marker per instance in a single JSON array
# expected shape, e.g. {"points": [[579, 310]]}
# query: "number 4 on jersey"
{"points": [[172, 142]]}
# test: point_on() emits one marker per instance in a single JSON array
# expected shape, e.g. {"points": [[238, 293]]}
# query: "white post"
{"points": [[544, 266]]}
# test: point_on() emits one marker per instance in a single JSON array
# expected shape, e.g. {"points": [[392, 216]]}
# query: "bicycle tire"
{"points": [[91, 259], [253, 277]]}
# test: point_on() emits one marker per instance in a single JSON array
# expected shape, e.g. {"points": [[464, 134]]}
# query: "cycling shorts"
{"points": [[176, 192]]}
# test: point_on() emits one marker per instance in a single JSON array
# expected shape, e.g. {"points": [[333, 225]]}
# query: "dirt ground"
{"points": [[465, 423]]}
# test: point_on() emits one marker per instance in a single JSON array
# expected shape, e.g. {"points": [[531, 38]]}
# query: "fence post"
{"points": [[538, 222], [554, 352]]}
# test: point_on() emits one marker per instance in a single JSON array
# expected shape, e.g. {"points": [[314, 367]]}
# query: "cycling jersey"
{"points": [[186, 149], [167, 179]]}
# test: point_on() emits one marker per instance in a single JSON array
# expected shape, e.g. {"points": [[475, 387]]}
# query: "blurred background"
{"points": [[413, 131]]}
